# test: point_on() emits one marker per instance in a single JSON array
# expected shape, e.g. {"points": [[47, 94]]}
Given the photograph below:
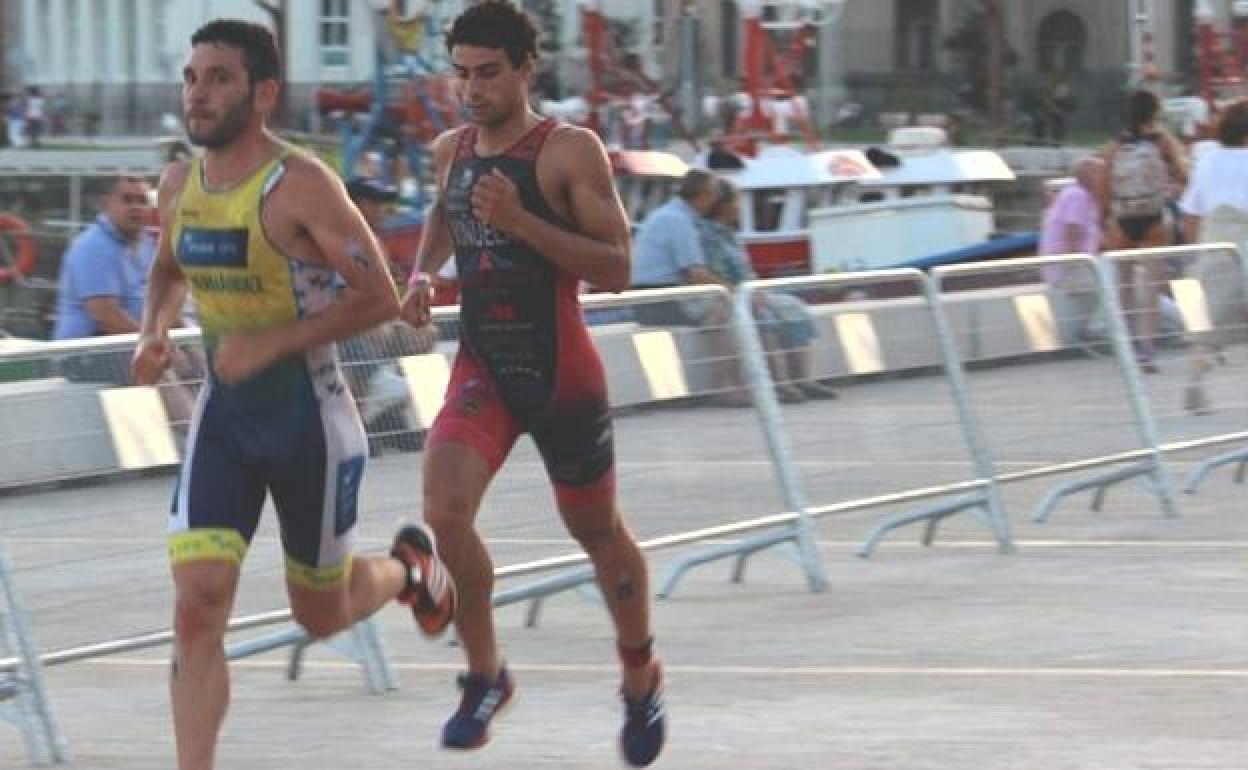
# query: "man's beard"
{"points": [[227, 129]]}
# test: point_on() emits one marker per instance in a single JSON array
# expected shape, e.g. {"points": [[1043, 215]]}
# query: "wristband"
{"points": [[419, 277]]}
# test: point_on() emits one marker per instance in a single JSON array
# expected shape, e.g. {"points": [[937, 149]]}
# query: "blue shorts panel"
{"points": [[309, 454]]}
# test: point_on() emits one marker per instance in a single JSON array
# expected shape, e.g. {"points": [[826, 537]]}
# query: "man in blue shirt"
{"points": [[103, 280], [667, 251], [104, 272]]}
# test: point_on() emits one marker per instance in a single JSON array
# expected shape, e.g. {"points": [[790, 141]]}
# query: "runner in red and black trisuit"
{"points": [[529, 208]]}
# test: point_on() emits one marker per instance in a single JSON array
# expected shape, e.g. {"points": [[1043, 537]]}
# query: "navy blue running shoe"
{"points": [[645, 725], [469, 726]]}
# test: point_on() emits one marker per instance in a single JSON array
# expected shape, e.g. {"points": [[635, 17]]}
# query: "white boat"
{"points": [[779, 187], [934, 200]]}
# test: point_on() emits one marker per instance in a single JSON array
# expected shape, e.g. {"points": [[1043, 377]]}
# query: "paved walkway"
{"points": [[1112, 640]]}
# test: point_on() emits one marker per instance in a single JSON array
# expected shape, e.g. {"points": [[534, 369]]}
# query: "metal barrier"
{"points": [[812, 444], [23, 700], [651, 363], [1068, 347], [69, 414], [884, 339], [656, 354], [1194, 375]]}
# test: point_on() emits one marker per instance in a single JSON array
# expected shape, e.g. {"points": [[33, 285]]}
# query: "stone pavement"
{"points": [[1111, 640]]}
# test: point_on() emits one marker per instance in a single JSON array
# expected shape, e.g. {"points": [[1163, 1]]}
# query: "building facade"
{"points": [[114, 66]]}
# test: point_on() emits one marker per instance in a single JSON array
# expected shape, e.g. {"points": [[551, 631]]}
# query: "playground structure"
{"points": [[773, 73], [621, 99], [1221, 56], [410, 102]]}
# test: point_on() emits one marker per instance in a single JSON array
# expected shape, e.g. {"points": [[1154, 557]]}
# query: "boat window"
{"points": [[767, 209]]}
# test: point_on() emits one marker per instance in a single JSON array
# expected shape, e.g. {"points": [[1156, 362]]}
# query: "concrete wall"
{"points": [[58, 430]]}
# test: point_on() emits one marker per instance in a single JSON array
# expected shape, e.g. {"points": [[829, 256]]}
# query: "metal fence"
{"points": [[879, 338], [1080, 377], [956, 382], [1194, 349]]}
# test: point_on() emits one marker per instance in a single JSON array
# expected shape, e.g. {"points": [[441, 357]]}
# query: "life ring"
{"points": [[24, 263]]}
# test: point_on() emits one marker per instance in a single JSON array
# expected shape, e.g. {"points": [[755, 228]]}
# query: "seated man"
{"points": [[784, 320], [1071, 225], [668, 252], [101, 289]]}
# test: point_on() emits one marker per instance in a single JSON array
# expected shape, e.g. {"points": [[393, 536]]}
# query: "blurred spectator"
{"points": [[102, 287], [1072, 225], [369, 358], [784, 320], [35, 116], [1143, 168], [1215, 209], [58, 114], [720, 157], [104, 273], [15, 119], [667, 251]]}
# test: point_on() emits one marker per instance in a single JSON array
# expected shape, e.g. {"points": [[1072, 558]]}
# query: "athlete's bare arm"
{"points": [[166, 287], [435, 237], [1175, 157], [575, 175], [310, 217]]}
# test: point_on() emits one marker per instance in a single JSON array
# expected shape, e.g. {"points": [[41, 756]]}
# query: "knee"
{"points": [[449, 512], [201, 611], [598, 536], [320, 624]]}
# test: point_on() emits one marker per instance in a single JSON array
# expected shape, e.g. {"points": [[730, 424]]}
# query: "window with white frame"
{"points": [[335, 33]]}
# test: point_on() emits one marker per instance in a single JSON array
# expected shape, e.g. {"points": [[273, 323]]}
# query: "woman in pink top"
{"points": [[1072, 225]]}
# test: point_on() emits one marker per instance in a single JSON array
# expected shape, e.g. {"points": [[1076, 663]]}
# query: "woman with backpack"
{"points": [[1145, 168]]}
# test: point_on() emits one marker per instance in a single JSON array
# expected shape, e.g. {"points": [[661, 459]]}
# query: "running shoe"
{"points": [[482, 700], [645, 725], [430, 591]]}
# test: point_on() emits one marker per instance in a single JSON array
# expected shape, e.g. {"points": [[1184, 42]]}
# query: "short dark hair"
{"points": [[695, 182], [496, 24], [725, 194], [1233, 124], [1142, 107], [260, 55]]}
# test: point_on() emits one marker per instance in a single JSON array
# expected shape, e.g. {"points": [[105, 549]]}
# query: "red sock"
{"points": [[636, 657]]}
